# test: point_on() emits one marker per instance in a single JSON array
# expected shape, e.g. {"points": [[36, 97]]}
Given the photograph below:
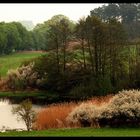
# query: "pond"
{"points": [[9, 120]]}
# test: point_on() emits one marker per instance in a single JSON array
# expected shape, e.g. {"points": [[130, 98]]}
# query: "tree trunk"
{"points": [[83, 50], [57, 54], [90, 53]]}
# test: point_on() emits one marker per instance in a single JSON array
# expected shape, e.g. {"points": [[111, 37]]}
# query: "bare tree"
{"points": [[25, 113]]}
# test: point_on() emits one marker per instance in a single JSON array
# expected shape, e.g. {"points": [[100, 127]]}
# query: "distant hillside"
{"points": [[28, 24]]}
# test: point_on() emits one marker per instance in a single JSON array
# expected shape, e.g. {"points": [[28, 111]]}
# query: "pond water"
{"points": [[8, 120]]}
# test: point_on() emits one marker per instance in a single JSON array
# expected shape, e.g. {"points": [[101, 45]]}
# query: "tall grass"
{"points": [[100, 100], [54, 116]]}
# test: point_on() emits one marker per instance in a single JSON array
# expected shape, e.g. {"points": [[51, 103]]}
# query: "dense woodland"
{"points": [[98, 55]]}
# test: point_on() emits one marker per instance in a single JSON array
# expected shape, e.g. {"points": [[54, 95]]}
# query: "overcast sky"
{"points": [[39, 13]]}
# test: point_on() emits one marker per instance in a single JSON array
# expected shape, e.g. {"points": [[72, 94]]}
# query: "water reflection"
{"points": [[7, 119]]}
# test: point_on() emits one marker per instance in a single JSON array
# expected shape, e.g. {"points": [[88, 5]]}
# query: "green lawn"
{"points": [[81, 132], [14, 60]]}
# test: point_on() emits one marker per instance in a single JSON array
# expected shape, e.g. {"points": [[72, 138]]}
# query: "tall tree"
{"points": [[80, 34]]}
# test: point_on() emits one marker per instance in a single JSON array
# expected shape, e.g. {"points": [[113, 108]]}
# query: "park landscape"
{"points": [[84, 76]]}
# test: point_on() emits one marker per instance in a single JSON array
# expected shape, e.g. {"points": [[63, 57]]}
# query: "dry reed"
{"points": [[54, 116]]}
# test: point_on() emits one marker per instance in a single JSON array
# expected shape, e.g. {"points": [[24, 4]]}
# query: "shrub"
{"points": [[123, 109], [22, 78], [82, 91], [25, 113], [58, 115], [85, 114], [91, 87], [3, 84], [54, 79]]}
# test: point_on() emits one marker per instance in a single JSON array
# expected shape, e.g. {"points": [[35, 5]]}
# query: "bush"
{"points": [[82, 91], [25, 113], [22, 78], [123, 109], [49, 77], [92, 87], [85, 114], [56, 80]]}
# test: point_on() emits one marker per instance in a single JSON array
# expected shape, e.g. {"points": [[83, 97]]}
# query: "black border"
{"points": [[68, 1], [65, 2]]}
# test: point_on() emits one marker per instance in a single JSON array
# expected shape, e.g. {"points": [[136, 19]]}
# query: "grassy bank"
{"points": [[37, 97], [12, 61], [81, 132], [40, 97]]}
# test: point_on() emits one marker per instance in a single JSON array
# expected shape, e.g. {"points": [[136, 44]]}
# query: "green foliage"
{"points": [[49, 78], [127, 13], [15, 37], [50, 31], [92, 87], [95, 66], [101, 62]]}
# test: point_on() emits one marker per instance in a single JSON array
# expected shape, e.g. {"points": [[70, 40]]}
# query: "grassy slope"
{"points": [[14, 60], [102, 132]]}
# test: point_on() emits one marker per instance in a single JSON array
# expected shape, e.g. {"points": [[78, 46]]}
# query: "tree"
{"points": [[116, 43], [65, 32], [26, 38], [112, 11], [128, 14], [15, 37], [42, 32], [80, 34], [99, 12], [24, 112], [3, 39]]}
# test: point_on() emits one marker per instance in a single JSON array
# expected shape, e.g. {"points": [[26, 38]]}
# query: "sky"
{"points": [[38, 13]]}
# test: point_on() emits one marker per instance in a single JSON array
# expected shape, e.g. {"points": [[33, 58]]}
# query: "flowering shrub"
{"points": [[123, 109], [85, 114], [22, 77], [61, 115]]}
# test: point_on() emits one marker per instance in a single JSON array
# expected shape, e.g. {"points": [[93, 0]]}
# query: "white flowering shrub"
{"points": [[123, 109], [22, 77], [85, 114]]}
